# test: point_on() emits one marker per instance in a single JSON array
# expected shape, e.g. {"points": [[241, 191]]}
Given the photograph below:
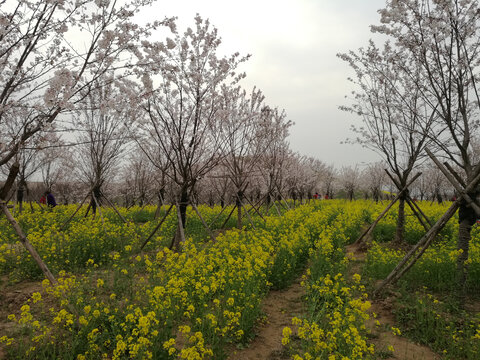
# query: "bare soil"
{"points": [[279, 308], [404, 348], [12, 297], [382, 336]]}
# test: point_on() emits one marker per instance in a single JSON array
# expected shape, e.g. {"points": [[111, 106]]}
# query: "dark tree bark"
{"points": [[466, 219], [97, 194], [238, 202], [400, 230], [464, 236], [182, 211]]}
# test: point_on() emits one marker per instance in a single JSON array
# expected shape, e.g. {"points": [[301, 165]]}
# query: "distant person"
{"points": [[326, 196], [50, 199], [315, 196], [43, 200]]}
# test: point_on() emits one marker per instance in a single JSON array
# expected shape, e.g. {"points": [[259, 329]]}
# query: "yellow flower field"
{"points": [[114, 301]]}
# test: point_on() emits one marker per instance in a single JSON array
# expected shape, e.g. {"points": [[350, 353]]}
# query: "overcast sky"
{"points": [[293, 44]]}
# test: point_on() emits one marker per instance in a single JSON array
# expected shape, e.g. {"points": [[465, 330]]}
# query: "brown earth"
{"points": [[382, 336], [404, 348], [12, 297], [279, 308]]}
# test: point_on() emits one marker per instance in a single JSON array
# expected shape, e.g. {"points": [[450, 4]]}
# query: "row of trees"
{"points": [[167, 118], [86, 67], [417, 94], [133, 180]]}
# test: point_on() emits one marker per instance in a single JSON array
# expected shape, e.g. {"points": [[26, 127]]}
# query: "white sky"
{"points": [[293, 44]]}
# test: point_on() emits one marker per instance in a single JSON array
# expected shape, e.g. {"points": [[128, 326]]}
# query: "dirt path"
{"points": [[11, 299], [382, 336], [279, 307], [404, 349]]}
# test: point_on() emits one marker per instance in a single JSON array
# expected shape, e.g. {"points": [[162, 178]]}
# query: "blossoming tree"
{"points": [[244, 137], [443, 37], [397, 121], [51, 54], [182, 80], [101, 123]]}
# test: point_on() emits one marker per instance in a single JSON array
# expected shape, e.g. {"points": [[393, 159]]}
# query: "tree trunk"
{"points": [[439, 197], [464, 237], [350, 195], [400, 230], [20, 192], [96, 195], [179, 236], [20, 196], [238, 202], [161, 199], [466, 219], [182, 217], [183, 206]]}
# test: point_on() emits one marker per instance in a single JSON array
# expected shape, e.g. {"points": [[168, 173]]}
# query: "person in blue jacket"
{"points": [[50, 199]]}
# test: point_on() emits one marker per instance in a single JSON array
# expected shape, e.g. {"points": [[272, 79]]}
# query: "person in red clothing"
{"points": [[43, 200], [315, 196]]}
